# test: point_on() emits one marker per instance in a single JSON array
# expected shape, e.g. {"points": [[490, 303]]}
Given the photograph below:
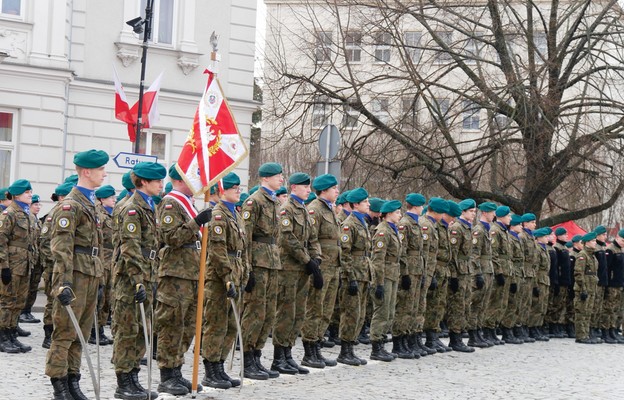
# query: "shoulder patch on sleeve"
{"points": [[493, 232], [311, 212], [475, 233], [283, 212], [581, 258], [250, 202], [285, 222], [131, 212], [344, 238], [5, 212], [381, 233], [218, 217], [246, 214], [168, 206], [345, 228], [424, 228], [453, 232], [66, 207], [48, 219], [380, 244], [401, 227]]}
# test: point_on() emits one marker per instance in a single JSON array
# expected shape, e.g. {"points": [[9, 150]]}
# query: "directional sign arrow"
{"points": [[129, 160]]}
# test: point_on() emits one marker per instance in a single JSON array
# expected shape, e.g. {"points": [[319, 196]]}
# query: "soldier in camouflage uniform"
{"points": [[585, 287], [282, 195], [35, 277], [343, 208], [16, 260], [516, 279], [299, 259], [226, 274], [615, 257], [558, 296], [260, 213], [525, 292], [75, 242], [539, 302], [132, 277], [603, 281]]}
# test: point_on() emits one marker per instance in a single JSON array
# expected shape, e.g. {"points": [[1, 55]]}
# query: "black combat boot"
{"points": [[560, 334], [257, 354], [457, 343], [169, 383], [61, 389], [225, 376], [397, 348], [614, 335], [126, 389], [509, 337], [492, 337], [21, 346], [279, 362], [570, 330], [328, 362], [333, 334], [292, 362], [212, 377], [407, 346], [21, 332], [107, 340], [309, 356], [363, 337], [607, 338], [413, 345], [251, 369], [439, 343], [542, 332], [47, 340], [420, 344], [74, 387], [6, 344], [432, 343], [26, 317], [481, 334], [188, 384], [134, 377], [361, 360], [345, 356], [378, 352], [525, 335]]}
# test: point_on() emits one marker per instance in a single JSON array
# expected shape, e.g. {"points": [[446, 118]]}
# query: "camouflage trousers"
{"points": [[259, 309], [352, 310], [457, 304], [47, 311], [539, 305], [129, 345], [436, 304], [291, 302], [174, 319], [583, 312], [383, 310], [219, 322], [569, 307], [105, 307], [611, 307], [497, 304], [12, 300], [65, 350], [598, 305], [524, 297], [556, 306], [421, 306], [510, 316], [407, 301], [33, 286], [320, 305], [478, 302]]}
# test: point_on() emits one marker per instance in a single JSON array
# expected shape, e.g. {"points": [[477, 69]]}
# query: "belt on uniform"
{"points": [[360, 253], [92, 251], [148, 253], [21, 245], [412, 252], [235, 254], [329, 241], [195, 245], [263, 239]]}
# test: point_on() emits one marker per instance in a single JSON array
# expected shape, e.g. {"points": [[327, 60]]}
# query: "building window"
{"points": [[320, 115], [163, 21], [7, 146], [412, 45], [11, 7], [381, 109], [440, 110], [322, 52], [350, 118], [156, 144], [443, 56], [353, 46], [410, 113], [471, 113], [382, 47]]}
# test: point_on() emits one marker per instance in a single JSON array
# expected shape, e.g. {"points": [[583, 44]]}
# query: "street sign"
{"points": [[329, 142], [129, 160], [333, 168]]}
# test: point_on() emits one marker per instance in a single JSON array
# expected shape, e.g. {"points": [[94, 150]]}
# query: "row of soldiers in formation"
{"points": [[294, 266]]}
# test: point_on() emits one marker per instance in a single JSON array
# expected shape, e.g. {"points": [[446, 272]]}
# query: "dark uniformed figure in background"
{"points": [[559, 292], [75, 243], [603, 281], [575, 249], [615, 264], [35, 277], [17, 252], [585, 287], [132, 277]]}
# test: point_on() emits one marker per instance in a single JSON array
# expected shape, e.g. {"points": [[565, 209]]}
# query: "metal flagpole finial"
{"points": [[215, 57]]}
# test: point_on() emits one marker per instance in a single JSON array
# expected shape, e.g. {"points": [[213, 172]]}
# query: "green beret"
{"points": [[415, 199], [311, 197], [214, 188], [620, 232], [157, 199], [299, 178], [599, 229], [253, 190], [488, 206], [105, 192], [35, 199], [149, 170], [3, 192], [168, 187], [324, 182], [19, 186], [569, 244], [342, 198], [72, 179], [126, 181], [243, 197], [576, 238], [122, 195], [63, 189], [528, 217], [230, 180], [560, 231], [502, 211], [541, 232], [390, 206], [438, 205], [547, 229], [282, 190], [589, 237], [515, 220], [269, 169], [356, 195], [375, 204], [467, 204], [454, 209], [173, 173], [91, 159]]}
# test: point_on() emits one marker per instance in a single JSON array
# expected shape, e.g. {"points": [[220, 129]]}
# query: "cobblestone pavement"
{"points": [[559, 369]]}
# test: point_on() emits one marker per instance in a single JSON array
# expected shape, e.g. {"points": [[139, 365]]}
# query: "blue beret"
{"points": [[243, 197], [91, 158], [576, 238], [502, 211], [560, 231], [515, 220], [72, 179], [173, 173], [253, 190], [375, 204], [390, 206], [126, 181], [488, 206], [620, 232], [356, 195], [438, 205], [282, 190], [230, 180], [299, 178], [467, 204], [324, 182], [35, 199], [540, 232], [342, 198], [19, 186], [528, 217], [599, 229], [269, 169], [415, 199], [3, 192], [569, 244], [168, 187], [122, 195], [311, 197], [588, 237], [454, 209], [105, 192], [63, 189], [149, 170]]}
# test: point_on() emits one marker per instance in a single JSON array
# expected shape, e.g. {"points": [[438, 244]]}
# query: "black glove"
{"points": [[66, 295], [583, 296], [513, 288], [556, 290], [231, 290], [100, 296], [250, 283], [500, 279], [536, 292], [406, 282], [140, 295], [6, 275], [311, 266], [434, 284], [317, 279], [318, 261], [353, 288], [379, 292], [480, 281], [422, 282], [204, 216], [454, 285]]}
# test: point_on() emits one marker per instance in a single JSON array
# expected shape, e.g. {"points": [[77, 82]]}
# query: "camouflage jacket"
{"points": [[341, 216], [530, 254], [482, 249], [443, 257], [36, 239], [356, 251], [386, 254], [260, 213], [543, 265], [106, 252], [327, 230], [412, 260], [16, 240], [430, 243], [297, 241], [44, 242], [501, 250], [585, 270], [461, 248], [517, 255]]}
